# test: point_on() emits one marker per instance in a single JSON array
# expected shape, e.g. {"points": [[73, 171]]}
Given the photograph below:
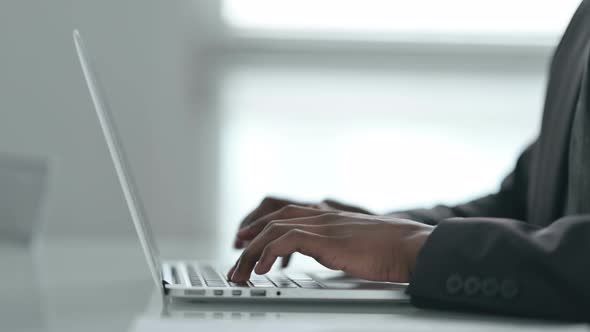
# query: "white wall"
{"points": [[385, 131], [140, 49], [174, 121]]}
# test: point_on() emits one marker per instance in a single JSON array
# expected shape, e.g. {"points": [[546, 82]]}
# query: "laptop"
{"points": [[204, 281]]}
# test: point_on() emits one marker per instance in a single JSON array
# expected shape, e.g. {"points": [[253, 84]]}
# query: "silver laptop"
{"points": [[198, 280]]}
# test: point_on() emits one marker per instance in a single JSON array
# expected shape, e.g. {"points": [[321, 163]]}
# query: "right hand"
{"points": [[272, 205], [365, 246]]}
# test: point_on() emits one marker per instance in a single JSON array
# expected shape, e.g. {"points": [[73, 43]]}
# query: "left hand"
{"points": [[378, 248]]}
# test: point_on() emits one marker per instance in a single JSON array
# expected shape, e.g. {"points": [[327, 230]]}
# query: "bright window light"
{"points": [[416, 16]]}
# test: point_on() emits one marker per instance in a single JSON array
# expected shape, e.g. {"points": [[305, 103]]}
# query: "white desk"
{"points": [[103, 285], [326, 318]]}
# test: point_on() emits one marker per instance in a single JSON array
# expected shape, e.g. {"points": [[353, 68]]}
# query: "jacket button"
{"points": [[472, 286], [454, 284], [509, 289], [490, 287]]}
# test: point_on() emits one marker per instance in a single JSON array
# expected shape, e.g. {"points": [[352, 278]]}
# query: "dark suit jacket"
{"points": [[514, 252]]}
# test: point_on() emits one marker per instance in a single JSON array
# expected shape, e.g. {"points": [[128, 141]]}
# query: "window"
{"points": [[388, 127], [528, 20]]}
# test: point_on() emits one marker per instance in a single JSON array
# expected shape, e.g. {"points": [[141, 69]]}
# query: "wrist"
{"points": [[414, 244]]}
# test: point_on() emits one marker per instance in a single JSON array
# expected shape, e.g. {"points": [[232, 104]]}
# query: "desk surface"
{"points": [[104, 285]]}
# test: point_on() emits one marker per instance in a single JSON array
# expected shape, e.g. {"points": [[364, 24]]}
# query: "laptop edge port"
{"points": [[194, 292], [218, 292], [258, 292]]}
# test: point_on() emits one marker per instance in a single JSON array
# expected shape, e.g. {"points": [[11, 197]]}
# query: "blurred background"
{"points": [[387, 104]]}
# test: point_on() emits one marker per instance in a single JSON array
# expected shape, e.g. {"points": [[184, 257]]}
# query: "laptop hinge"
{"points": [[164, 284]]}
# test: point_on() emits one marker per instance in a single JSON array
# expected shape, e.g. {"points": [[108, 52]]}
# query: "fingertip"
{"points": [[239, 278], [237, 273], [246, 227], [258, 269], [245, 234], [241, 243], [244, 237]]}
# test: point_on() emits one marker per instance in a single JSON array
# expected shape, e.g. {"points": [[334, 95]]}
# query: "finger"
{"points": [[245, 264], [317, 246], [250, 255], [285, 261], [268, 205], [286, 213], [238, 244]]}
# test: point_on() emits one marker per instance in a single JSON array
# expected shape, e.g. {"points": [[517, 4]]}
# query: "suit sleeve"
{"points": [[508, 202], [506, 266]]}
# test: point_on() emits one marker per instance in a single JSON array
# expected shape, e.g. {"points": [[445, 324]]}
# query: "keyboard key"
{"points": [[298, 276], [309, 284], [279, 278], [258, 277], [215, 283], [241, 285], [193, 277], [289, 284], [209, 273], [266, 283], [212, 278]]}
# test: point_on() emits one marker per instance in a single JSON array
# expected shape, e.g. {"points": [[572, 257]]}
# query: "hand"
{"points": [[364, 246], [271, 204]]}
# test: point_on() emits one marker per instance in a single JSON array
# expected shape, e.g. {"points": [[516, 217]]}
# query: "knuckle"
{"points": [[291, 207], [288, 209], [294, 233], [270, 224], [273, 227], [277, 228]]}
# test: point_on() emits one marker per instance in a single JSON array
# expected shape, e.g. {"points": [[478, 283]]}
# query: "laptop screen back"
{"points": [[120, 163]]}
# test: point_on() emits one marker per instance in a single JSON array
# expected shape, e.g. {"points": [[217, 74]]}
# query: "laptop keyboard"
{"points": [[211, 277], [206, 275], [193, 276]]}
